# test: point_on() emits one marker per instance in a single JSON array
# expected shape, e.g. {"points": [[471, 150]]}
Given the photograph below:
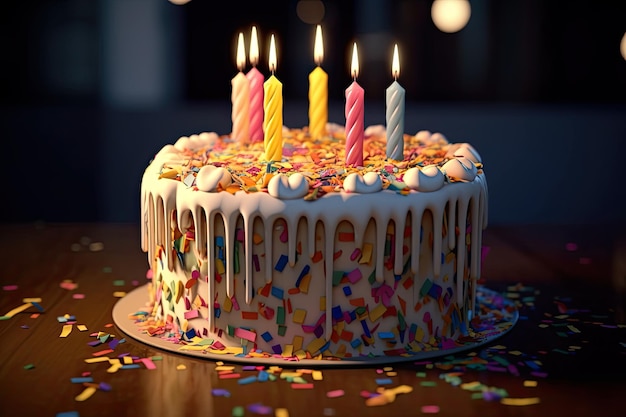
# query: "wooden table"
{"points": [[570, 340]]}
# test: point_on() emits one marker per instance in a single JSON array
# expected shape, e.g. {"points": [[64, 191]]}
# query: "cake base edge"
{"points": [[498, 315]]}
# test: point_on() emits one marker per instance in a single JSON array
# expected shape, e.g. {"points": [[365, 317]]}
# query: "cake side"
{"points": [[244, 265]]}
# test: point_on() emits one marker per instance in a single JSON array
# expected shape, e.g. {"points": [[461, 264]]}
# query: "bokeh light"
{"points": [[310, 11], [622, 46], [450, 15]]}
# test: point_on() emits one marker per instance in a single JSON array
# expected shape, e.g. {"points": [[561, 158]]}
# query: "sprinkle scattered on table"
{"points": [[260, 409], [67, 329], [86, 394], [68, 284], [96, 246], [430, 409], [335, 393], [281, 412], [68, 414], [451, 369], [28, 302], [520, 401]]}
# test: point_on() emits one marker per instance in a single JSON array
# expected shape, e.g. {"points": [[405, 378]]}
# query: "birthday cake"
{"points": [[310, 257]]}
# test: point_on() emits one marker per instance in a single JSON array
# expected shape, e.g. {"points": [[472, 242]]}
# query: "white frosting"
{"points": [[286, 187], [423, 135], [367, 183], [210, 176], [438, 138], [429, 138], [460, 169], [375, 130], [426, 179], [182, 143], [195, 141], [334, 128], [165, 203], [169, 154], [464, 150]]}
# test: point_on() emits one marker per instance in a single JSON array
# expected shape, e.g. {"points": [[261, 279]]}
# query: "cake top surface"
{"points": [[311, 168]]}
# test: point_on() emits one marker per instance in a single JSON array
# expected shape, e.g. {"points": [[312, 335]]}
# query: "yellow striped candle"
{"points": [[273, 107], [318, 90], [240, 97]]}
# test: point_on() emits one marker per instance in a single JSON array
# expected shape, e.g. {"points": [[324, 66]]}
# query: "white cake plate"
{"points": [[130, 303]]}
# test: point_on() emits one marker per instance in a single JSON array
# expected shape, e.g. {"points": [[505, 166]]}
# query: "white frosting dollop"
{"points": [[334, 128], [208, 137], [427, 179], [182, 143], [423, 135], [429, 138], [464, 150], [375, 130], [168, 155], [460, 169], [195, 141], [288, 187], [368, 183], [210, 176], [438, 138]]}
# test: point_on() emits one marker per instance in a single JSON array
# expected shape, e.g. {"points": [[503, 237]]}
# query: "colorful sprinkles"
{"points": [[569, 325], [321, 161], [366, 315]]}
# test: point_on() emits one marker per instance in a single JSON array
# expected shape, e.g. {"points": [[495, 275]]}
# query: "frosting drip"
{"points": [[168, 203]]}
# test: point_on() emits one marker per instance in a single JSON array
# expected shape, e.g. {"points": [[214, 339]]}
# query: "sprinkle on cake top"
{"points": [[320, 161]]}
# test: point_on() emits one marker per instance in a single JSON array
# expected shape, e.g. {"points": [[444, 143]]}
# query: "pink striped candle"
{"points": [[355, 128], [256, 91], [240, 98]]}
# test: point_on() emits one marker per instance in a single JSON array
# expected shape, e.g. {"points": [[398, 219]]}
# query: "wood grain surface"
{"points": [[570, 341]]}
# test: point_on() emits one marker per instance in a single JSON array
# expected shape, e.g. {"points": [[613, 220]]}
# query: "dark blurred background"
{"points": [[92, 89]]}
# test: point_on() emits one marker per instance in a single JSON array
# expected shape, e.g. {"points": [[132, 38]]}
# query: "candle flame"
{"points": [[241, 53], [318, 51], [395, 65], [354, 69], [254, 47], [272, 58]]}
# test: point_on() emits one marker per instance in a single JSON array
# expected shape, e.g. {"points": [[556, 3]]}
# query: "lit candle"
{"points": [[273, 107], [354, 116], [318, 90], [395, 112], [240, 98], [256, 91]]}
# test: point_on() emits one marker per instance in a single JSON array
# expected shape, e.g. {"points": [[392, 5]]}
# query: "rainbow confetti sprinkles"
{"points": [[308, 258], [497, 315]]}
